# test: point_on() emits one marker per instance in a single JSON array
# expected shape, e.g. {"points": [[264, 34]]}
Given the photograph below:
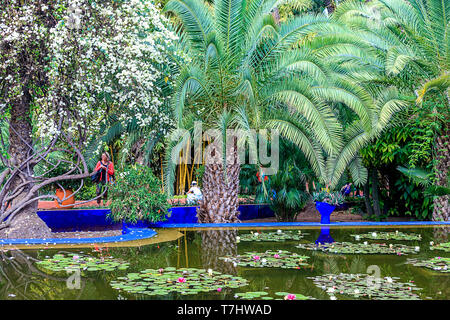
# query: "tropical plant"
{"points": [[410, 38], [248, 72], [287, 195], [137, 196], [334, 198]]}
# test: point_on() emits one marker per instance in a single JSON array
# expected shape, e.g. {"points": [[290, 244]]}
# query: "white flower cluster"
{"points": [[110, 61]]}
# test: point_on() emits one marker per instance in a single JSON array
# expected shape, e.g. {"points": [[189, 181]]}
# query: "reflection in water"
{"points": [[441, 233], [215, 244], [324, 236], [19, 277]]}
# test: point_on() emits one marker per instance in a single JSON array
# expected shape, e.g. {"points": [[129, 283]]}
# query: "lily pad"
{"points": [[439, 264], [365, 286], [269, 259], [183, 281], [63, 262], [388, 236], [445, 246], [277, 236], [360, 248], [261, 295]]}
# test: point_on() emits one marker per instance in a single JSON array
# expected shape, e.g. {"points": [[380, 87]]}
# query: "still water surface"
{"points": [[21, 278]]}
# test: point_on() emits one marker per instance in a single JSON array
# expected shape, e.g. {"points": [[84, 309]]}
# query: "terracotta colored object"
{"points": [[68, 203]]}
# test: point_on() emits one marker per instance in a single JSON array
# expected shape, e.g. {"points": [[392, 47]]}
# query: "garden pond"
{"points": [[251, 263]]}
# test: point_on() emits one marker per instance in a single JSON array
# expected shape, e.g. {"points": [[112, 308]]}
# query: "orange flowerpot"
{"points": [[69, 202]]}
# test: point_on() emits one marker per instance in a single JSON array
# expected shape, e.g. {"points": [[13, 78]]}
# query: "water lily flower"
{"points": [[332, 298], [389, 279], [431, 243], [357, 238], [276, 255], [365, 243], [210, 272], [290, 296], [330, 290], [356, 291], [374, 234], [264, 260], [279, 231], [76, 257], [161, 270], [417, 248], [219, 289], [234, 264], [181, 280], [256, 257], [256, 234]]}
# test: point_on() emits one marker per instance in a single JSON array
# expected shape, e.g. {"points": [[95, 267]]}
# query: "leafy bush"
{"points": [[137, 195], [286, 192], [334, 198]]}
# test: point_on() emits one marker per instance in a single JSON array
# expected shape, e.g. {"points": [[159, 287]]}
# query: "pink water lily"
{"points": [[181, 280], [290, 296], [256, 257], [276, 255], [219, 289], [161, 270]]}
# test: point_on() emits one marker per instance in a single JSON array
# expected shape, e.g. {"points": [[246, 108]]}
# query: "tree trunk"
{"points": [[215, 244], [220, 192], [26, 223], [441, 210], [367, 199], [375, 195]]}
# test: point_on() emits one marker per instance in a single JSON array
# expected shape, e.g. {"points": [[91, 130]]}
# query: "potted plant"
{"points": [[326, 202]]}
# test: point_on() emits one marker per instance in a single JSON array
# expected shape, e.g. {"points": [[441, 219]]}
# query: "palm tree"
{"points": [[411, 39], [248, 72]]}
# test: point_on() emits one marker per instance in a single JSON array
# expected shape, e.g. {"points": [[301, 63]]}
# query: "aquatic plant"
{"points": [[445, 246], [388, 236], [360, 248], [183, 281], [277, 236], [365, 286], [262, 295], [61, 262], [437, 264], [269, 259]]}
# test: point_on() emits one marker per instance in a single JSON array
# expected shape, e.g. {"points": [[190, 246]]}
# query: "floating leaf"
{"points": [[268, 259], [183, 281], [359, 248], [365, 286]]}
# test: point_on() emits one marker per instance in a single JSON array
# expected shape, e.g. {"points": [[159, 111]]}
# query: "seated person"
{"points": [[194, 194]]}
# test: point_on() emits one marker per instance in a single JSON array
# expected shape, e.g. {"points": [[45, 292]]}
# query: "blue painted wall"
{"points": [[89, 219]]}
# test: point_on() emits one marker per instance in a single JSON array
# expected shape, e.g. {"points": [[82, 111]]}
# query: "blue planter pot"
{"points": [[325, 211]]}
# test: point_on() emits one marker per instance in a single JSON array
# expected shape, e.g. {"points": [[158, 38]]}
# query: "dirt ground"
{"points": [[87, 234]]}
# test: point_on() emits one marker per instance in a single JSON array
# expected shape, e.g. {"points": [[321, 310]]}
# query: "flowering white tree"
{"points": [[64, 66]]}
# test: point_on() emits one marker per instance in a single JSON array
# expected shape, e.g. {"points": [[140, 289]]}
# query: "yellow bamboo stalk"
{"points": [[185, 249]]}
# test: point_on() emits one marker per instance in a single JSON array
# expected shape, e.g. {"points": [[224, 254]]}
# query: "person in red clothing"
{"points": [[106, 169]]}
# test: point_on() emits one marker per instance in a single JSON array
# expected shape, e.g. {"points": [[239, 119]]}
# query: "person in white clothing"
{"points": [[194, 194]]}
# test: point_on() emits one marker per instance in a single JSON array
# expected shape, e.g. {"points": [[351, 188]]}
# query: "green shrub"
{"points": [[286, 192], [137, 195]]}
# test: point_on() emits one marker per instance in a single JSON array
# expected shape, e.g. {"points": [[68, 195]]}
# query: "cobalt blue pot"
{"points": [[325, 211]]}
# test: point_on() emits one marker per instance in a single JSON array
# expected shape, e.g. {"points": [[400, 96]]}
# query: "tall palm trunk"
{"points": [[220, 191], [441, 211]]}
